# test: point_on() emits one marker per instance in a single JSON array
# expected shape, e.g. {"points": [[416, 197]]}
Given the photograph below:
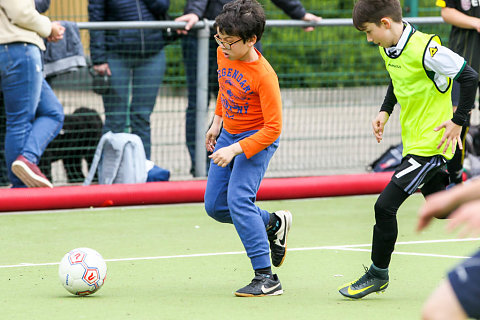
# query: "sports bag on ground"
{"points": [[119, 158]]}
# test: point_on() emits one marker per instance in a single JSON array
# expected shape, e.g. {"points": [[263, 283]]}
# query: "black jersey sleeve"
{"points": [[452, 4], [468, 80], [389, 101]]}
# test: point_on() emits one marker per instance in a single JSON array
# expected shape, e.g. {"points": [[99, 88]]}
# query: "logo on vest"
{"points": [[433, 51], [394, 66]]}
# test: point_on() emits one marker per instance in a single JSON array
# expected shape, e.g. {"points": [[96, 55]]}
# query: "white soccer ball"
{"points": [[82, 271]]}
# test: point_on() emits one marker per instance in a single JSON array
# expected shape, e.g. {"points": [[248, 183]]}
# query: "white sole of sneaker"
{"points": [[287, 219], [31, 180]]}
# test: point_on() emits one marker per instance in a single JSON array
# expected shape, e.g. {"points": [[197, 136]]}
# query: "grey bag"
{"points": [[119, 158]]}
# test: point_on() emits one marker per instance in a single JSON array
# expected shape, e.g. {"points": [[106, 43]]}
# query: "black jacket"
{"points": [[127, 42], [211, 8], [42, 5]]}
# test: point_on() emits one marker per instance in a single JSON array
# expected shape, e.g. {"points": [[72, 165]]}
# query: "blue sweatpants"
{"points": [[231, 193]]}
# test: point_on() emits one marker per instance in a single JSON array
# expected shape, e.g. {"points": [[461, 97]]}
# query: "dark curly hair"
{"points": [[243, 18]]}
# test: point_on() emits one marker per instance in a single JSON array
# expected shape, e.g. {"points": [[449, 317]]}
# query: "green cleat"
{"points": [[363, 286]]}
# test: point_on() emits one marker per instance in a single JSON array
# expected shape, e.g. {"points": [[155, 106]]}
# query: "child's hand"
{"points": [[223, 156], [451, 135], [378, 124], [212, 133], [211, 139]]}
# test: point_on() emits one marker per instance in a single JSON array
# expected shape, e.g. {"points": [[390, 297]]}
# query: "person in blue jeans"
{"points": [[194, 11], [33, 113], [133, 59], [41, 6]]}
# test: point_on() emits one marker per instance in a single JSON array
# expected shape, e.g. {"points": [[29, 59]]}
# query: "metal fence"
{"points": [[332, 83]]}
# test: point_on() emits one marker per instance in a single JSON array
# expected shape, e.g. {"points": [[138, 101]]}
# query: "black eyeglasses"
{"points": [[225, 44]]}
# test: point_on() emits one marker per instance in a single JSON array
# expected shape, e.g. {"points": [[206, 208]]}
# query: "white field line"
{"points": [[352, 247], [407, 253]]}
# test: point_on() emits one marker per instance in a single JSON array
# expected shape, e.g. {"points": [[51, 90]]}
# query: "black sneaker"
{"points": [[261, 285], [278, 241], [367, 284]]}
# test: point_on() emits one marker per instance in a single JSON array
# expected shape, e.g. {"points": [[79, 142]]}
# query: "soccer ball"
{"points": [[82, 271]]}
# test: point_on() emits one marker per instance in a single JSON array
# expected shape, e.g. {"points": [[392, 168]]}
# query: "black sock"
{"points": [[266, 272], [378, 272], [273, 225]]}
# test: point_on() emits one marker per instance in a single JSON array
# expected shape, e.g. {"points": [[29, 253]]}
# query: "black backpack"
{"points": [[388, 161], [472, 140]]}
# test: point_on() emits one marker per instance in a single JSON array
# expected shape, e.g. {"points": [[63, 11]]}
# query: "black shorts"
{"points": [[414, 171], [465, 281]]}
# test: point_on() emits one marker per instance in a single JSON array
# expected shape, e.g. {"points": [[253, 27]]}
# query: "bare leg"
{"points": [[443, 304]]}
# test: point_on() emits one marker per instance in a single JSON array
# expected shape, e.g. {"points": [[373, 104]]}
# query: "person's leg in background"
{"points": [[147, 79], [48, 123], [3, 127], [116, 99], [34, 114], [189, 49], [212, 70]]}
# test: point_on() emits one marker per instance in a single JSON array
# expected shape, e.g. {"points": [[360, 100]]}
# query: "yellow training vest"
{"points": [[423, 105]]}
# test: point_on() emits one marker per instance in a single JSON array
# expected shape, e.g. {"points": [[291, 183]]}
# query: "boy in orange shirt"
{"points": [[249, 106]]}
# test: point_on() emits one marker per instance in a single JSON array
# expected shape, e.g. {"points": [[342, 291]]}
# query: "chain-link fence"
{"points": [[332, 80]]}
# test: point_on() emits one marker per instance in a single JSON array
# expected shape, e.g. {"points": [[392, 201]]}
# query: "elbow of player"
{"points": [[276, 133], [275, 129]]}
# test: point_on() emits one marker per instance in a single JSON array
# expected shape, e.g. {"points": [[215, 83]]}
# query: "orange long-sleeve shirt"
{"points": [[249, 99]]}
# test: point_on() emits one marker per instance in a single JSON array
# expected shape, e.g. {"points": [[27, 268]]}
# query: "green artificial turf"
{"points": [[174, 262]]}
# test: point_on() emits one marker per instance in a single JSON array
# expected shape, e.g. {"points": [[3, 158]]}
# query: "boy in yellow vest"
{"points": [[421, 72]]}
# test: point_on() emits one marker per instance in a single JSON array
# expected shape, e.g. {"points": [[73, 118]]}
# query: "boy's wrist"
{"points": [[236, 148], [386, 110], [458, 119]]}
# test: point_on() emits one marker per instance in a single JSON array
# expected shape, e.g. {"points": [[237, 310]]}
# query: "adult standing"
{"points": [[209, 9], [41, 6], [34, 114], [134, 60]]}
